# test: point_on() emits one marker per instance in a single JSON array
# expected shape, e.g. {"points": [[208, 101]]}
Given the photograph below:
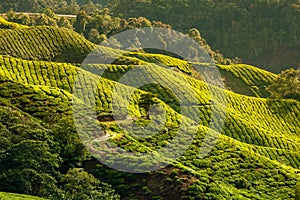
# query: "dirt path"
{"points": [[105, 137]]}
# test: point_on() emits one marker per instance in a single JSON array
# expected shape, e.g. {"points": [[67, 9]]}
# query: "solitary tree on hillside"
{"points": [[146, 101]]}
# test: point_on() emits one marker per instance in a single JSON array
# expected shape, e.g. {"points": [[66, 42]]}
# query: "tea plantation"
{"points": [[256, 154]]}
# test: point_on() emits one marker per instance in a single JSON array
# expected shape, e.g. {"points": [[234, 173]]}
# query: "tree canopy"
{"points": [[287, 85]]}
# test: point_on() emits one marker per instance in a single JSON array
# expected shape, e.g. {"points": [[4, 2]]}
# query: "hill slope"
{"points": [[255, 157], [63, 45], [256, 130]]}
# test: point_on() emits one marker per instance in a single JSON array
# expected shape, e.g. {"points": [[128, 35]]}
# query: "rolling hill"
{"points": [[60, 45], [256, 155]]}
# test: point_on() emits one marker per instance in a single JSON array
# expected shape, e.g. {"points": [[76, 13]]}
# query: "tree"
{"points": [[287, 85], [64, 22], [49, 13], [146, 101], [81, 21], [72, 150], [89, 7], [80, 185], [29, 167], [46, 20], [71, 8], [94, 36]]}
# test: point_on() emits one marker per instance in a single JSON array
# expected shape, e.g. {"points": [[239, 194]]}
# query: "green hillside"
{"points": [[258, 136], [263, 112], [239, 78], [247, 80], [255, 157]]}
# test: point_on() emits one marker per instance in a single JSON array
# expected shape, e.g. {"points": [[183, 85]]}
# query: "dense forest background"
{"points": [[265, 33], [261, 32]]}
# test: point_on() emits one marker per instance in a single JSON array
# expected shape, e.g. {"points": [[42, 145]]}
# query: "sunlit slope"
{"points": [[231, 171], [9, 196], [44, 43], [10, 25], [240, 78], [271, 126], [258, 121], [51, 44]]}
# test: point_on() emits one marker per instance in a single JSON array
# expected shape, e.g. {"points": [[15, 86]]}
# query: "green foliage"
{"points": [[28, 155], [146, 101], [102, 24], [287, 85], [79, 185], [46, 18], [241, 183], [97, 25], [29, 167], [33, 156], [73, 152], [60, 6]]}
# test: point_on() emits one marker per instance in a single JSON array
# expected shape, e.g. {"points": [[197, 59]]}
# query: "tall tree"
{"points": [[81, 22]]}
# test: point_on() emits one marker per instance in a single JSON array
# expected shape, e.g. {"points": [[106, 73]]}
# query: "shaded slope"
{"points": [[246, 79]]}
